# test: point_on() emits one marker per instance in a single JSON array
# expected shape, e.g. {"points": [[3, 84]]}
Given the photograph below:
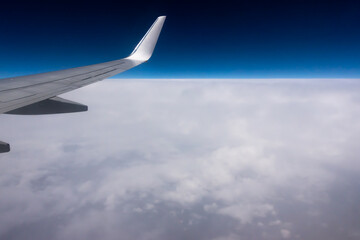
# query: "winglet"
{"points": [[145, 47]]}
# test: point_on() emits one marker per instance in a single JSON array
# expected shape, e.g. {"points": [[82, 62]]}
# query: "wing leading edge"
{"points": [[34, 91]]}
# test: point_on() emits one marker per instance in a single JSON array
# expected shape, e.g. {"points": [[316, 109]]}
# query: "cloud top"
{"points": [[194, 159]]}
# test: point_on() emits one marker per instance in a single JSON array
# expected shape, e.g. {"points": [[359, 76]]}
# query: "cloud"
{"points": [[285, 233], [194, 159]]}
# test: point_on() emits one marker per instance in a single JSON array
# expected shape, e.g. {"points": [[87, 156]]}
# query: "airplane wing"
{"points": [[37, 94]]}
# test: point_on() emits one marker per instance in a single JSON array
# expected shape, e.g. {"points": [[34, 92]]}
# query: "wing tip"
{"points": [[144, 49]]}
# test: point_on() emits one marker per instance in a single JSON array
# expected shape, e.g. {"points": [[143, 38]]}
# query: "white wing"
{"points": [[36, 94]]}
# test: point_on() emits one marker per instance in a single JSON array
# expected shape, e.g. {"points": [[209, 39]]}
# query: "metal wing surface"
{"points": [[17, 92], [37, 93]]}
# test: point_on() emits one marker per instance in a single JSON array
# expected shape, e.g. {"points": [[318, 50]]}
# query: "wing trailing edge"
{"points": [[53, 105]]}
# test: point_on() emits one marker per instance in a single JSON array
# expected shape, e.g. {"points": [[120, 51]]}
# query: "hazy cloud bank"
{"points": [[190, 159]]}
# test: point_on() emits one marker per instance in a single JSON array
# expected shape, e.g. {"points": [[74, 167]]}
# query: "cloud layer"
{"points": [[188, 159]]}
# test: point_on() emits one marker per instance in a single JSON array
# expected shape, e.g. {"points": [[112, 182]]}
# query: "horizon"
{"points": [[244, 124]]}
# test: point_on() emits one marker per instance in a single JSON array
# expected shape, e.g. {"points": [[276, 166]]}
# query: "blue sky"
{"points": [[242, 39]]}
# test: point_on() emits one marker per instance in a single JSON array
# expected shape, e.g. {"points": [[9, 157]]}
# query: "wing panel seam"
{"points": [[56, 80]]}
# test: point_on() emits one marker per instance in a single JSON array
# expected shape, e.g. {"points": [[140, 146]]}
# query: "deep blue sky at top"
{"points": [[210, 39]]}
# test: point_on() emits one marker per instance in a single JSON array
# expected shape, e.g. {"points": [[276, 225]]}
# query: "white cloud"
{"points": [[285, 233], [246, 213], [241, 150]]}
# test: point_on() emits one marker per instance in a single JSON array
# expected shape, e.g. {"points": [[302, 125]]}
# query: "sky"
{"points": [[212, 39], [243, 125]]}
